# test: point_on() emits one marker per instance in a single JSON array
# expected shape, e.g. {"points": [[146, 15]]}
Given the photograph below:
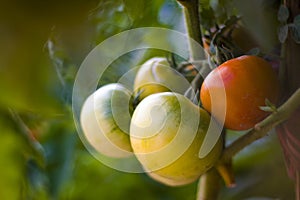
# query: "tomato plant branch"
{"points": [[262, 128], [192, 22], [209, 185]]}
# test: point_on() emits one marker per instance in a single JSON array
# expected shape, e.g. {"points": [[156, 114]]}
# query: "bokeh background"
{"points": [[42, 44]]}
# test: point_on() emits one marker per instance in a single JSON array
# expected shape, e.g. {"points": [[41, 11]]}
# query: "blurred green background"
{"points": [[41, 156]]}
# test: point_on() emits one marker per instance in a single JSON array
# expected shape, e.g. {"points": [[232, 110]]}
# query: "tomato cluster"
{"points": [[166, 130]]}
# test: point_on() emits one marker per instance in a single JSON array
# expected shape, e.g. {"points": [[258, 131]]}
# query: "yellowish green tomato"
{"points": [[156, 76], [166, 133], [105, 120]]}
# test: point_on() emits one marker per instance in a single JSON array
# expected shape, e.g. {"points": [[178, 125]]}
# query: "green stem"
{"points": [[192, 22], [225, 170], [209, 185], [262, 128]]}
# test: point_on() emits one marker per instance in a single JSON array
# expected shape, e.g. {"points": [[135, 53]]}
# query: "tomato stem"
{"points": [[226, 172], [209, 185], [192, 22]]}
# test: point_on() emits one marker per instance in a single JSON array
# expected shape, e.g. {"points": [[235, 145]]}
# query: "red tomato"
{"points": [[247, 81]]}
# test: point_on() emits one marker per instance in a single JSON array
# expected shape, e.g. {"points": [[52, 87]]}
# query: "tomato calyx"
{"points": [[269, 107]]}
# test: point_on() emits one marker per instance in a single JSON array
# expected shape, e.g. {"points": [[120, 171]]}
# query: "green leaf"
{"points": [[254, 51], [207, 16], [283, 13], [135, 9], [283, 33], [295, 29], [295, 32], [214, 4], [297, 21], [206, 3], [212, 48]]}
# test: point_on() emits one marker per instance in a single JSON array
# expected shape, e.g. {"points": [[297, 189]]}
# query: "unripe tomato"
{"points": [[166, 133], [247, 81], [156, 76], [105, 120]]}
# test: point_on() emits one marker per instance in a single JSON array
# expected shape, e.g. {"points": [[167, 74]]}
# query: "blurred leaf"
{"points": [[27, 79], [59, 145], [213, 4], [64, 68], [261, 21], [25, 82], [114, 185], [212, 48], [36, 150], [135, 9], [223, 10], [207, 16], [112, 17], [37, 181], [254, 51], [12, 166], [17, 179], [283, 33], [297, 21], [261, 198], [171, 15], [295, 32], [283, 13], [204, 4]]}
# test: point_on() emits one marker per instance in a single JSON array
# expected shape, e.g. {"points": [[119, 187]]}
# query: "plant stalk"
{"points": [[209, 185], [192, 23]]}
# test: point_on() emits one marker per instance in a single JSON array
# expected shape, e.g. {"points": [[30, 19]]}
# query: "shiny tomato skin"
{"points": [[247, 81]]}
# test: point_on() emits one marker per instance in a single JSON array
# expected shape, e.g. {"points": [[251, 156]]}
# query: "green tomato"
{"points": [[156, 76], [166, 133], [105, 120]]}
